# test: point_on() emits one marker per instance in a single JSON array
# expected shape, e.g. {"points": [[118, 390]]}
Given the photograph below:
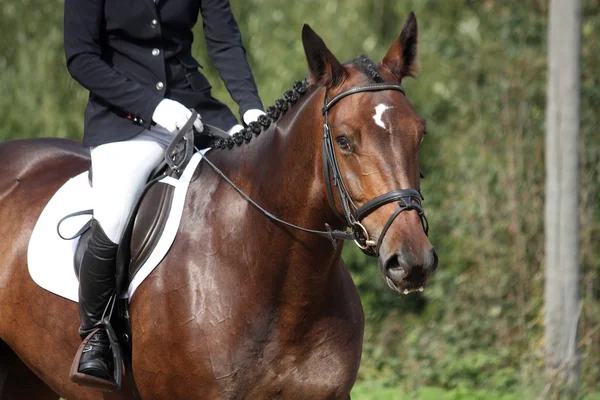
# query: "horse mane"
{"points": [[367, 66], [290, 97], [363, 63]]}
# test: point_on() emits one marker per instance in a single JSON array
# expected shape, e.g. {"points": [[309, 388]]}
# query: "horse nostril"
{"points": [[432, 261], [394, 270]]}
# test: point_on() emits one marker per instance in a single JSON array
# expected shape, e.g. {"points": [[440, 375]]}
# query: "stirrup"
{"points": [[89, 380], [115, 384]]}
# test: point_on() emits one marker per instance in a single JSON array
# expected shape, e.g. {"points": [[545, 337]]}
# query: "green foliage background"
{"points": [[478, 328]]}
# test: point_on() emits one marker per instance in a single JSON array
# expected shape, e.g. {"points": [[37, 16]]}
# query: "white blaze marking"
{"points": [[378, 113]]}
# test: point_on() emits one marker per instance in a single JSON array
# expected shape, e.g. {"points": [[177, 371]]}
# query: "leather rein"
{"points": [[407, 199]]}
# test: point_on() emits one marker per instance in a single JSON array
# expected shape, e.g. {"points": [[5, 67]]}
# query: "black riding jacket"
{"points": [[130, 54]]}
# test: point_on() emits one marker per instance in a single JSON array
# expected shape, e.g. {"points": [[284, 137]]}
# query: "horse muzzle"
{"points": [[407, 272]]}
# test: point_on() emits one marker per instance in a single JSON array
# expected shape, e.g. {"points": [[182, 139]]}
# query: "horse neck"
{"points": [[282, 171]]}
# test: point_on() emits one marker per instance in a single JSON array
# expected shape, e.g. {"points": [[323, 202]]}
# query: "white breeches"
{"points": [[119, 173]]}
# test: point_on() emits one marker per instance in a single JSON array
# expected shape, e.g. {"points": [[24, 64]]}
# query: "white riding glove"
{"points": [[173, 115], [234, 129], [249, 116], [252, 115]]}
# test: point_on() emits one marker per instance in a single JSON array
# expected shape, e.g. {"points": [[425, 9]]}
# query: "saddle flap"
{"points": [[149, 224]]}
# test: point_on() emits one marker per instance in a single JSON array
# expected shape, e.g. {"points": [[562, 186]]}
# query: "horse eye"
{"points": [[344, 143]]}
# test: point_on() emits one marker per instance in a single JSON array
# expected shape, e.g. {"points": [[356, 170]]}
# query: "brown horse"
{"points": [[242, 306]]}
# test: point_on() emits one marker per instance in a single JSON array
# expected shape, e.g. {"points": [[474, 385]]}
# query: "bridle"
{"points": [[407, 199]]}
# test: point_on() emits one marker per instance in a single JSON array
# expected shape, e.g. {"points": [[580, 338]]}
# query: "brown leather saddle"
{"points": [[148, 225]]}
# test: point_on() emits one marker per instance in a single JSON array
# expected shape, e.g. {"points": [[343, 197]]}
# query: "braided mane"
{"points": [[273, 113], [282, 105], [367, 66]]}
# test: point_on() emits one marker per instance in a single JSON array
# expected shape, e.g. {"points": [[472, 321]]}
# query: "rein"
{"points": [[329, 233], [407, 199]]}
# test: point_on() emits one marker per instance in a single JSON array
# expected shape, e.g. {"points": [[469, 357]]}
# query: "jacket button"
{"points": [[160, 85], [155, 52], [154, 23]]}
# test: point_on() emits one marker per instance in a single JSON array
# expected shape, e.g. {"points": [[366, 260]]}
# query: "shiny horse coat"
{"points": [[241, 307]]}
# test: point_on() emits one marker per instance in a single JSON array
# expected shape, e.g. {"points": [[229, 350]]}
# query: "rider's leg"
{"points": [[96, 285], [120, 171]]}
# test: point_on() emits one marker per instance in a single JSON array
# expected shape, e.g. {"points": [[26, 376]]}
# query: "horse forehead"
{"points": [[392, 116], [379, 110], [388, 110]]}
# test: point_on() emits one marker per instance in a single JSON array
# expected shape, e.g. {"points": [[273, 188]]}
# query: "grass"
{"points": [[369, 391], [373, 391]]}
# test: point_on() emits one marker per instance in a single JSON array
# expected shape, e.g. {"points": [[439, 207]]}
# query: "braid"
{"points": [[273, 113]]}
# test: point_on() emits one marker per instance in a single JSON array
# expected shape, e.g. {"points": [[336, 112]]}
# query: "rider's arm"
{"points": [[227, 54], [83, 24]]}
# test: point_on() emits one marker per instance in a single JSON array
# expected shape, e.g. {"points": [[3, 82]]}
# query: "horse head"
{"points": [[375, 138]]}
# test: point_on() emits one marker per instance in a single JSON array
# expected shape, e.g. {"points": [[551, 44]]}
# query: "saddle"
{"points": [[144, 227]]}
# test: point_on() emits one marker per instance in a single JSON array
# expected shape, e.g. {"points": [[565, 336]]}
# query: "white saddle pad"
{"points": [[51, 258]]}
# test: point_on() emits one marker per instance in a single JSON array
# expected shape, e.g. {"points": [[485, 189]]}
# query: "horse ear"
{"points": [[324, 67], [401, 58]]}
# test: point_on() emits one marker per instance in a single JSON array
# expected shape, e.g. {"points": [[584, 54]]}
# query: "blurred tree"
{"points": [[562, 299]]}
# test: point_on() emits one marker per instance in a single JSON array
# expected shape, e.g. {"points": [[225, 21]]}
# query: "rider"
{"points": [[135, 59]]}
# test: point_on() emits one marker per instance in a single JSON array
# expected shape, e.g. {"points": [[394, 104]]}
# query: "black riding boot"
{"points": [[96, 286]]}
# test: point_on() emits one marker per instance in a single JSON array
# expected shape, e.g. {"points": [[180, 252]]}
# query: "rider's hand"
{"points": [[252, 115], [234, 129], [173, 115], [249, 116]]}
